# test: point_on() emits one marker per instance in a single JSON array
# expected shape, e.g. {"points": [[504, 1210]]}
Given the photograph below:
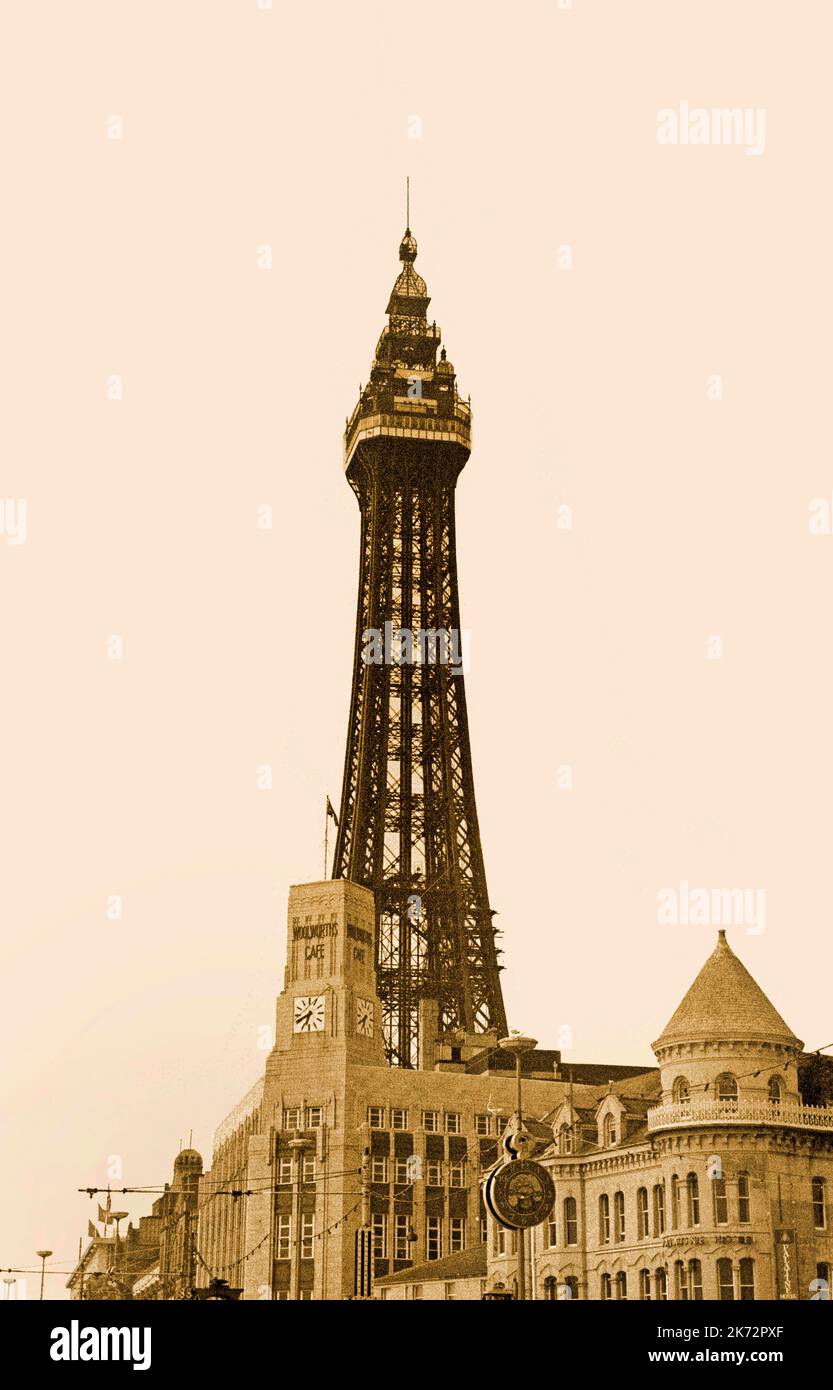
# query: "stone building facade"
{"points": [[712, 1178], [332, 1139]]}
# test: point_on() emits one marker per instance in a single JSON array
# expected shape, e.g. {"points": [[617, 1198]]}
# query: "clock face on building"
{"points": [[364, 1017], [309, 1013]]}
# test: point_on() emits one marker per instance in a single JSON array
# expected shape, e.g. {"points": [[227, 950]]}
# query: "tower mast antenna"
{"points": [[408, 202]]}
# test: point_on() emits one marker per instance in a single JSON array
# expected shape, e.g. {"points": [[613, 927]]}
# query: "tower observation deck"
{"points": [[408, 824]]}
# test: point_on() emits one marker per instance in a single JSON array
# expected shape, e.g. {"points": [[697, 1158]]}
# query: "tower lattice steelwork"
{"points": [[408, 825]]}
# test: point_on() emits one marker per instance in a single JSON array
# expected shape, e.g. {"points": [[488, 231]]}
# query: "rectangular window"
{"points": [[484, 1228], [552, 1230], [379, 1169], [643, 1219], [453, 1123], [315, 1117], [570, 1221], [449, 1290], [401, 1244], [434, 1173], [416, 1291], [398, 1119], [457, 1173], [743, 1198], [819, 1204], [721, 1205], [433, 1237], [619, 1216], [430, 1121], [400, 1173], [308, 1168], [380, 1235], [725, 1283], [284, 1238], [292, 1118], [284, 1169], [500, 1240], [695, 1279], [746, 1279], [659, 1209], [376, 1116], [482, 1124], [457, 1234], [307, 1235], [680, 1281], [645, 1283]]}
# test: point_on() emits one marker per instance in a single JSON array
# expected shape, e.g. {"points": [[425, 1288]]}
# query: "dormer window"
{"points": [[609, 1131], [775, 1090], [565, 1139]]}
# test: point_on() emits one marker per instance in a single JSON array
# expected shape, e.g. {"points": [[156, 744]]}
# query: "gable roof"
{"points": [[464, 1264], [725, 1002]]}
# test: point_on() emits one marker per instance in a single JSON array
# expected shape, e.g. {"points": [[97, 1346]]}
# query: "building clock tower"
{"points": [[330, 1001]]}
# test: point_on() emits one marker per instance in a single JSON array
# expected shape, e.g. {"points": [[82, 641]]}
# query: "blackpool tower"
{"points": [[408, 825]]}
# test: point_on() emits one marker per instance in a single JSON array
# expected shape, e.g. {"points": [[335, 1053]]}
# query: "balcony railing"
{"points": [[409, 424], [740, 1112]]}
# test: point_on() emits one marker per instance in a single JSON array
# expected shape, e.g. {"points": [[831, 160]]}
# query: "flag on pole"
{"points": [[331, 812], [104, 1215]]}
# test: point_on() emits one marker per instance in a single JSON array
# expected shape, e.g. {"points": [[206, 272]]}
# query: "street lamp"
{"points": [[519, 1045], [9, 1280], [43, 1256]]}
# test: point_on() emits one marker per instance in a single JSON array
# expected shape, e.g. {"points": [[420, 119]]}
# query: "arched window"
{"points": [[743, 1197], [775, 1090], [618, 1216], [721, 1205], [565, 1139], [661, 1282], [550, 1288], [606, 1290], [725, 1282], [695, 1279], [659, 1209], [642, 1218], [570, 1221], [621, 1284], [820, 1288], [819, 1204], [645, 1283], [609, 1131], [693, 1194], [726, 1089], [675, 1202], [680, 1281], [746, 1272], [569, 1288], [680, 1091], [604, 1219]]}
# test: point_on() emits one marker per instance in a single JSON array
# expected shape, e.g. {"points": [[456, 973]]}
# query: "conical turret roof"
{"points": [[725, 1003]]}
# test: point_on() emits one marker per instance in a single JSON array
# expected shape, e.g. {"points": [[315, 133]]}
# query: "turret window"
{"points": [[693, 1193], [681, 1092], [726, 1088], [721, 1205]]}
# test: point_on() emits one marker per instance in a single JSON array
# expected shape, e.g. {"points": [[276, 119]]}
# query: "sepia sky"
{"points": [[671, 389]]}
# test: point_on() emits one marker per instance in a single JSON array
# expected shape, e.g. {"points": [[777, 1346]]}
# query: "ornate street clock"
{"points": [[364, 1017], [308, 1013]]}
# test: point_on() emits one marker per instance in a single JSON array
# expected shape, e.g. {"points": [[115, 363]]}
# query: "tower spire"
{"points": [[408, 826], [407, 203]]}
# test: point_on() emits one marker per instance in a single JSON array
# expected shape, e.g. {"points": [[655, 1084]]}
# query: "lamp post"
{"points": [[43, 1256], [10, 1281], [519, 1045]]}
